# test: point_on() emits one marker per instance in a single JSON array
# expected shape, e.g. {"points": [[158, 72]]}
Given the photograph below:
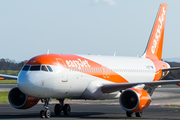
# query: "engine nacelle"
{"points": [[21, 101], [134, 100], [178, 84]]}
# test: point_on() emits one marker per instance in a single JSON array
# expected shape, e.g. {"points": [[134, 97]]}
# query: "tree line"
{"points": [[7, 64]]}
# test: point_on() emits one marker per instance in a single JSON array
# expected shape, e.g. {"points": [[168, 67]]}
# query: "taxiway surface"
{"points": [[108, 109], [84, 111]]}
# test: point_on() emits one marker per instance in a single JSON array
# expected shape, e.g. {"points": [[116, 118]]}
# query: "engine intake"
{"points": [[20, 100], [134, 100]]}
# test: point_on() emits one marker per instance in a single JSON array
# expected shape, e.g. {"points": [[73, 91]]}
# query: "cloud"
{"points": [[109, 2]]}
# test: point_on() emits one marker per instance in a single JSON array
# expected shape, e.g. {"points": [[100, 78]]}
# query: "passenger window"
{"points": [[35, 68], [26, 68], [43, 68], [49, 68]]}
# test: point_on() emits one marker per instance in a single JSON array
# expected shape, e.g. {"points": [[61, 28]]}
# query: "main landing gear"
{"points": [[138, 114], [46, 112], [57, 109], [61, 107]]}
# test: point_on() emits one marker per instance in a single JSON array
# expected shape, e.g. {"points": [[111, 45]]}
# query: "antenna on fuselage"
{"points": [[114, 54], [48, 52]]}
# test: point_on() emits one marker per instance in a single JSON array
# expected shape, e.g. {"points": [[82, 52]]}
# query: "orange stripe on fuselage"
{"points": [[77, 63]]}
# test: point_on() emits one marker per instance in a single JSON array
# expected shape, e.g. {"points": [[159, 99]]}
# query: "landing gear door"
{"points": [[64, 72]]}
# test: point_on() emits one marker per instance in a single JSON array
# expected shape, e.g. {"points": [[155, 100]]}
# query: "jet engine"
{"points": [[21, 101], [134, 100]]}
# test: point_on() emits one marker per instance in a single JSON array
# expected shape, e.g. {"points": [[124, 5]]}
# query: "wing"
{"points": [[108, 88], [9, 76]]}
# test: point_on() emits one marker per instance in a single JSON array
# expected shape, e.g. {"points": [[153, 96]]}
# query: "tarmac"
{"points": [[90, 111], [106, 109]]}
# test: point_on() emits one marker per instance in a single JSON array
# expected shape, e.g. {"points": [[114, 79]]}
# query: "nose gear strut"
{"points": [[46, 112]]}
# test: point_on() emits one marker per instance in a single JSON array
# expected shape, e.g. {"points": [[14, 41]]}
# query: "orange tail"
{"points": [[154, 48]]}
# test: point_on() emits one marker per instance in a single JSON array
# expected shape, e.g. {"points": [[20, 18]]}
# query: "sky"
{"points": [[100, 27]]}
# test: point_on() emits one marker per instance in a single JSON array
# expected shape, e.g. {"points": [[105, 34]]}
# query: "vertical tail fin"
{"points": [[155, 44]]}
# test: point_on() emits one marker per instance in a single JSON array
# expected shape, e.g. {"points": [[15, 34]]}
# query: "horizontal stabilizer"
{"points": [[172, 68]]}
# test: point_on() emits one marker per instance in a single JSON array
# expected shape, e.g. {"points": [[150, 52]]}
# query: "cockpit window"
{"points": [[43, 68], [35, 68], [49, 68], [26, 68]]}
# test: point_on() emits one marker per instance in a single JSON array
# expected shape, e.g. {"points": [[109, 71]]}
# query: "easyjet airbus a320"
{"points": [[132, 80]]}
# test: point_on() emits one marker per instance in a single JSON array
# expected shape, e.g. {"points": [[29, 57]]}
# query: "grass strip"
{"points": [[9, 72], [175, 105], [8, 81], [4, 97]]}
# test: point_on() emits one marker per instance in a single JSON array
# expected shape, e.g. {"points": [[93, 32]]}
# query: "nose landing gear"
{"points": [[46, 112], [61, 107]]}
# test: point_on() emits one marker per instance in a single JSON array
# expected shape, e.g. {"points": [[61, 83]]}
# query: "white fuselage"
{"points": [[75, 83]]}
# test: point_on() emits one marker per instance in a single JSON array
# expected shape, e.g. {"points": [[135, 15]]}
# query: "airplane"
{"points": [[132, 80]]}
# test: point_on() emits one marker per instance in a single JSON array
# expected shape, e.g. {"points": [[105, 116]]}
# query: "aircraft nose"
{"points": [[26, 84], [36, 84]]}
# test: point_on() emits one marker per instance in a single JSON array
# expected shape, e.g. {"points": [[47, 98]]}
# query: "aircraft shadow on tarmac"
{"points": [[77, 115], [74, 115]]}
